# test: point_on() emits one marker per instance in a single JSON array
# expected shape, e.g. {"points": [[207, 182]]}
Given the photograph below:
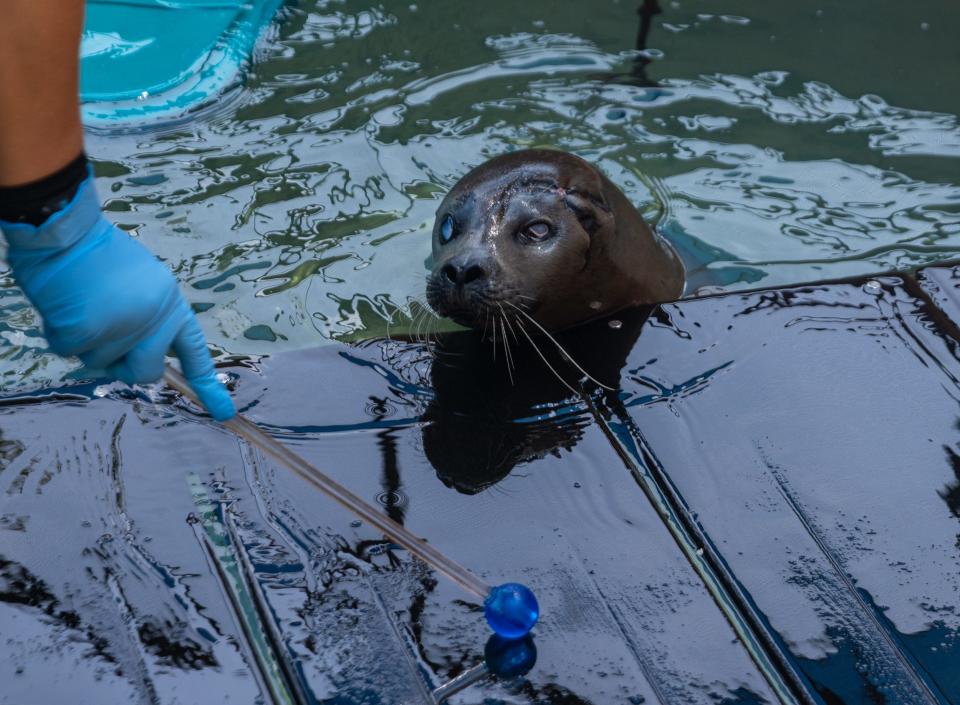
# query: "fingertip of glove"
{"points": [[225, 411], [215, 397]]}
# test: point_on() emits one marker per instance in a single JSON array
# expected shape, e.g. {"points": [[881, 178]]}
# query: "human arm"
{"points": [[102, 296]]}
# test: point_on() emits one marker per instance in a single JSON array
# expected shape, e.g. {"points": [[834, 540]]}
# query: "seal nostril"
{"points": [[450, 272], [462, 273], [473, 273]]}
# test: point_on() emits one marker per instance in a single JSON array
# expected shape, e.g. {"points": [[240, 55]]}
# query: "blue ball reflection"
{"points": [[510, 658]]}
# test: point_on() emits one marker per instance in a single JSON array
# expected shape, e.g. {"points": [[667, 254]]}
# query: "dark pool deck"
{"points": [[771, 500]]}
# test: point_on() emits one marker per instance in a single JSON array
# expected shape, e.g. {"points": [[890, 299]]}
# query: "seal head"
{"points": [[545, 232]]}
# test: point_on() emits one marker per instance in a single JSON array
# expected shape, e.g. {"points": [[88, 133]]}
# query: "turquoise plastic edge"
{"points": [[201, 87]]}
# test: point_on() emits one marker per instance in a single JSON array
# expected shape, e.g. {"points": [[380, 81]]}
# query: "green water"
{"points": [[792, 142]]}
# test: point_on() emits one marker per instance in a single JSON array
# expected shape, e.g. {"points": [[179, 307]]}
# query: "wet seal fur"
{"points": [[545, 232]]}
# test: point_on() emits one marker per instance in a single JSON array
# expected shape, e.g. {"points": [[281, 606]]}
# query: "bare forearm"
{"points": [[40, 128]]}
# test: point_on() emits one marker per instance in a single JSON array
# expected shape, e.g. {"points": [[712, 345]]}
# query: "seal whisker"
{"points": [[512, 365], [506, 354], [425, 319], [433, 327], [547, 363], [428, 322], [509, 324], [418, 321], [506, 346], [567, 355], [389, 320], [424, 329], [414, 318]]}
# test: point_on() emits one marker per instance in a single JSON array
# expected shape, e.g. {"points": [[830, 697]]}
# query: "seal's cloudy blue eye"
{"points": [[446, 229]]}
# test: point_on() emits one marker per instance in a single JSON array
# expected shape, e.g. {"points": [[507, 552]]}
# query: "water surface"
{"points": [[789, 142]]}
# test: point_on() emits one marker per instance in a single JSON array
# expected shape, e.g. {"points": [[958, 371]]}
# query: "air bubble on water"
{"points": [[356, 523], [143, 95], [391, 498], [872, 287], [615, 324], [101, 390], [699, 551], [873, 104]]}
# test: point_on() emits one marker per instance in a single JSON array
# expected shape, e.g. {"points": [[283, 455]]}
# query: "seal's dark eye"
{"points": [[537, 231], [446, 229]]}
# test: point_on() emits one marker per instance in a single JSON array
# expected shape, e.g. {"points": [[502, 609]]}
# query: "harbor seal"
{"points": [[545, 234]]}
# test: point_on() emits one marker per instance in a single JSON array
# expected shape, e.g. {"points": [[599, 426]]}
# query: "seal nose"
{"points": [[462, 271]]}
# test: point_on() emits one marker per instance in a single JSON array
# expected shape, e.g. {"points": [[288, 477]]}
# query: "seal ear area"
{"points": [[593, 212]]}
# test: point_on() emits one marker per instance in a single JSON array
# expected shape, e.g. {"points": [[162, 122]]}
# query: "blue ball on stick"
{"points": [[511, 610]]}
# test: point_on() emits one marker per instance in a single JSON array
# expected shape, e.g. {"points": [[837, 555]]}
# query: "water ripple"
{"points": [[299, 211]]}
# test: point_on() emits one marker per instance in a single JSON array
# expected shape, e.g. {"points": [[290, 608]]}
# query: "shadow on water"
{"points": [[490, 413]]}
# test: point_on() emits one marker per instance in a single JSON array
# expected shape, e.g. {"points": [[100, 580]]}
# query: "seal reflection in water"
{"points": [[542, 237], [484, 419]]}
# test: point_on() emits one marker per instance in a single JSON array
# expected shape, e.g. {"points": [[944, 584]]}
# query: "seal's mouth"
{"points": [[475, 305], [467, 305], [470, 319], [461, 309]]}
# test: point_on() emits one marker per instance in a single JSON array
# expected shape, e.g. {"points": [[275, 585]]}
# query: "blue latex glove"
{"points": [[107, 300]]}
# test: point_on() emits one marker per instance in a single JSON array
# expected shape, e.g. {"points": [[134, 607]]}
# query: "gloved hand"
{"points": [[107, 300]]}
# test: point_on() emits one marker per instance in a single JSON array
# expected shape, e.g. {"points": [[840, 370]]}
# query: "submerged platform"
{"points": [[150, 62], [767, 509]]}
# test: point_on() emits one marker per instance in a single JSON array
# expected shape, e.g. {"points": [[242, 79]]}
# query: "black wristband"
{"points": [[33, 203]]}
